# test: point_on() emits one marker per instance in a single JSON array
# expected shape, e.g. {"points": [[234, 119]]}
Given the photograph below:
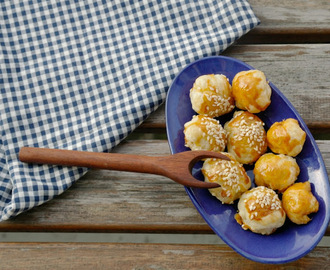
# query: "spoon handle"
{"points": [[112, 161]]}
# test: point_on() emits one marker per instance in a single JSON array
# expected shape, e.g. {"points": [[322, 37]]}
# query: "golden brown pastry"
{"points": [[251, 91], [260, 210], [230, 175], [286, 137], [298, 202], [211, 95], [204, 133], [277, 172], [246, 137]]}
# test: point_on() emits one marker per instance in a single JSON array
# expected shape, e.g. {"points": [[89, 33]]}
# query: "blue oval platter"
{"points": [[291, 241]]}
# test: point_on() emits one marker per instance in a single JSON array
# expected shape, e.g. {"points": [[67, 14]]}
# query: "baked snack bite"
{"points": [[298, 202], [211, 95], [230, 175], [286, 137], [204, 133], [251, 91], [260, 210], [246, 137], [277, 172]]}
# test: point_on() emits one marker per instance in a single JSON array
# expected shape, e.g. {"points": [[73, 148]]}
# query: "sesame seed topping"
{"points": [[262, 198], [217, 104], [248, 128], [230, 173], [215, 134]]}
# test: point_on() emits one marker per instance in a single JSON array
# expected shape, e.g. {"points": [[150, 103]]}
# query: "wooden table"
{"points": [[292, 47]]}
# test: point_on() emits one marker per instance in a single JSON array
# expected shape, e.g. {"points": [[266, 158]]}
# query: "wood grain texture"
{"points": [[298, 71], [111, 201], [285, 14], [140, 257], [282, 21]]}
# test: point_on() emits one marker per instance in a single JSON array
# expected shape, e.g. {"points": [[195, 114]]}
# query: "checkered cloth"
{"points": [[83, 74]]}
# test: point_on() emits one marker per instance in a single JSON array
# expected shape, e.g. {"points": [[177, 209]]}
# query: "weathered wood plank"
{"points": [[294, 35], [110, 201], [140, 256], [290, 22], [299, 71], [287, 14]]}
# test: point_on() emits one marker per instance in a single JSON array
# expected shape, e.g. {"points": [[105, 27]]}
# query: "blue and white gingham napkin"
{"points": [[83, 74]]}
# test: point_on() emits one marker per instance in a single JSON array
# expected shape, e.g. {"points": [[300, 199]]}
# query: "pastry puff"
{"points": [[246, 137], [211, 95], [251, 91], [205, 133], [277, 172], [260, 210], [286, 137], [230, 175], [298, 202]]}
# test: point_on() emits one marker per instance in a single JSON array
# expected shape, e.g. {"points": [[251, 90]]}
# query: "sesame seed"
{"points": [[265, 198]]}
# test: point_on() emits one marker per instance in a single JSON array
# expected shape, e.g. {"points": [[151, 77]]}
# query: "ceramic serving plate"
{"points": [[288, 243]]}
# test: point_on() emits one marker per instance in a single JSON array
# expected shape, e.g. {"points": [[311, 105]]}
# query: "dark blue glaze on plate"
{"points": [[289, 242]]}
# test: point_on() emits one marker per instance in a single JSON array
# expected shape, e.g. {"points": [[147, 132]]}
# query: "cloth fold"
{"points": [[83, 74]]}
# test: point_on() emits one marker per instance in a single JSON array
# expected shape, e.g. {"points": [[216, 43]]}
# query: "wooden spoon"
{"points": [[176, 167]]}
